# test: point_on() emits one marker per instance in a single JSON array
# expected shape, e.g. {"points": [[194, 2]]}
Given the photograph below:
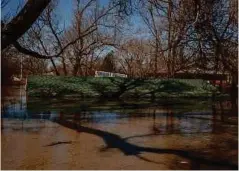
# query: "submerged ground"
{"points": [[68, 133]]}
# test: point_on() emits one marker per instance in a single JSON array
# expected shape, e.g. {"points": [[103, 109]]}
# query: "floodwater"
{"points": [[73, 133]]}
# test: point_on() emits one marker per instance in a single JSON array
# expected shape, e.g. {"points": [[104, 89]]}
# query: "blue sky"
{"points": [[65, 9]]}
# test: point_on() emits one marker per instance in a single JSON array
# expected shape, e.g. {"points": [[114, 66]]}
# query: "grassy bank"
{"points": [[56, 86]]}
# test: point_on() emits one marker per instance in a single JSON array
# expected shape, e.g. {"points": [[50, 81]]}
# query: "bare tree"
{"points": [[218, 34], [134, 58], [90, 19], [34, 66], [168, 26]]}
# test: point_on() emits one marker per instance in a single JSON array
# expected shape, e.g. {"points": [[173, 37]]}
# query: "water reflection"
{"points": [[184, 116], [14, 102]]}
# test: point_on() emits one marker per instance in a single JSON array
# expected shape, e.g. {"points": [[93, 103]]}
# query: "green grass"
{"points": [[55, 86]]}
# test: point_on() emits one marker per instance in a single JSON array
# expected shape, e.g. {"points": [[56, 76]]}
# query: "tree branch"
{"points": [[29, 52], [23, 21]]}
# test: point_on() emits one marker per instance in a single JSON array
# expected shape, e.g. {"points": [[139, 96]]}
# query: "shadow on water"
{"points": [[57, 143], [115, 141]]}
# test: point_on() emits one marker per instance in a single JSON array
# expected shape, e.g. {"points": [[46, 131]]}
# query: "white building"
{"points": [[109, 74]]}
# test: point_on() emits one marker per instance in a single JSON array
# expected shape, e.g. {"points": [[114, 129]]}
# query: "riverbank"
{"points": [[113, 87]]}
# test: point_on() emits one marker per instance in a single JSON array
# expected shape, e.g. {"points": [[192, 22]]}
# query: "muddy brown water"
{"points": [[73, 133]]}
